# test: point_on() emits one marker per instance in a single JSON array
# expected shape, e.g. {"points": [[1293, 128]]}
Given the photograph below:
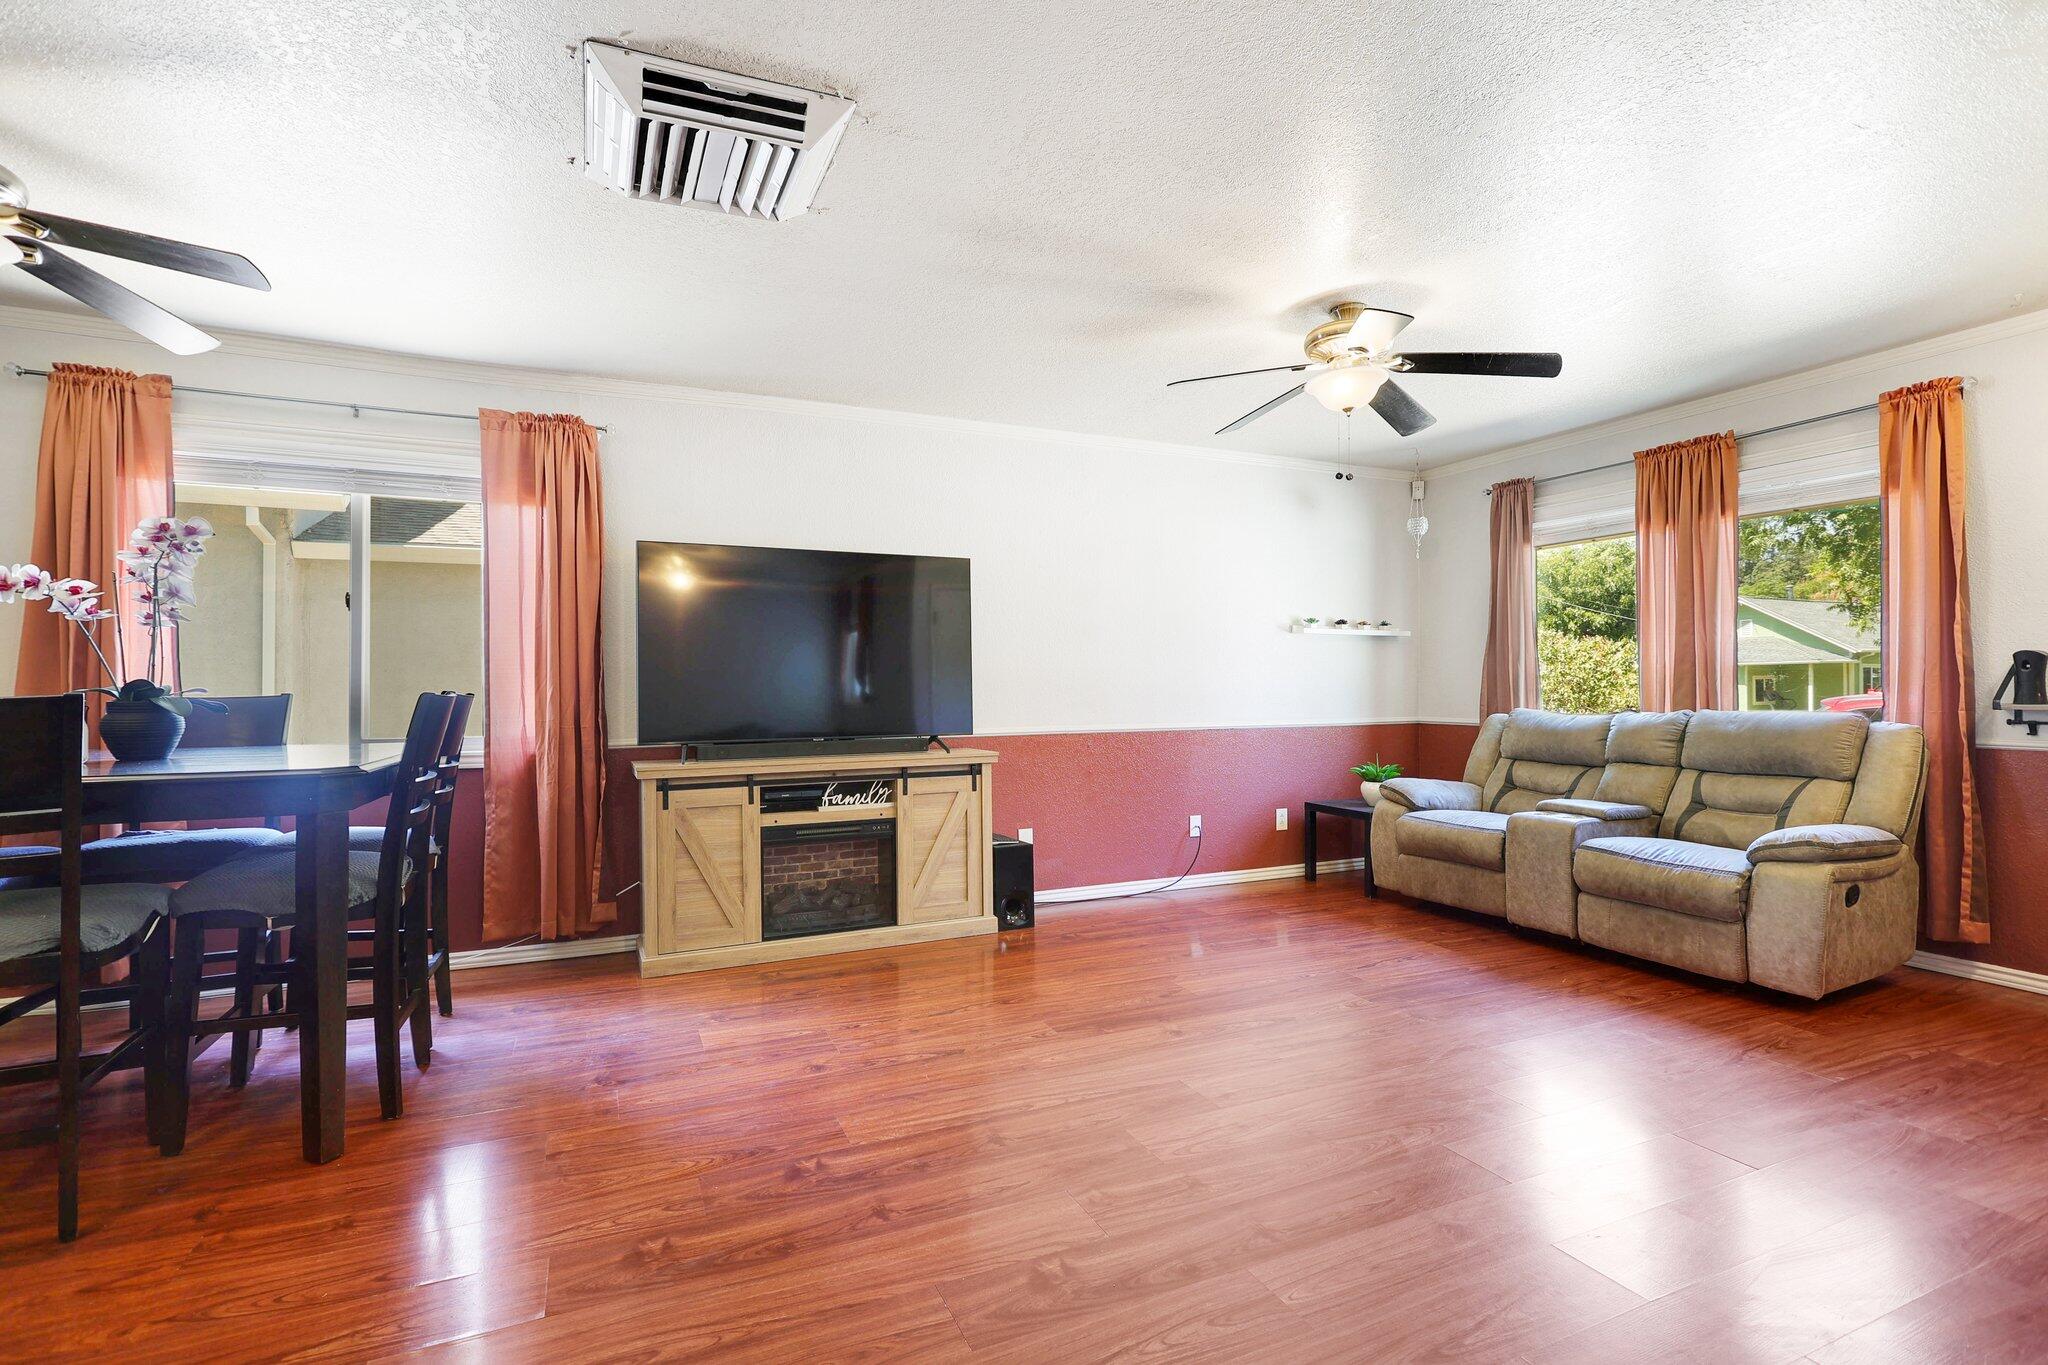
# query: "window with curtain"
{"points": [[1809, 588], [1586, 625], [1808, 579], [294, 597]]}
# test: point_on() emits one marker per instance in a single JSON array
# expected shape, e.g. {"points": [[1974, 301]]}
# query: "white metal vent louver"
{"points": [[681, 134]]}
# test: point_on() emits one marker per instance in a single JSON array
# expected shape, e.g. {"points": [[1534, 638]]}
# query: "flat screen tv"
{"points": [[743, 643]]}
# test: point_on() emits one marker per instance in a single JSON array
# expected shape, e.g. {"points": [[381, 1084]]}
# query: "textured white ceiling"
{"points": [[1047, 210]]}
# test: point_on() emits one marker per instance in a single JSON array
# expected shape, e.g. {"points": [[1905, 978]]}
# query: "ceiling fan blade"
{"points": [[80, 235], [118, 302], [1402, 412], [1270, 369], [1521, 364], [1262, 409]]}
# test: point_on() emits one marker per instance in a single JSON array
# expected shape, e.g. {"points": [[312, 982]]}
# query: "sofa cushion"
{"points": [[1672, 874], [1653, 738], [1735, 809], [1476, 838], [1890, 780], [1822, 744], [1642, 758], [1520, 784], [1556, 737]]}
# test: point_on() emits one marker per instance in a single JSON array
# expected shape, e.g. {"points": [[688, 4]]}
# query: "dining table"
{"points": [[316, 786]]}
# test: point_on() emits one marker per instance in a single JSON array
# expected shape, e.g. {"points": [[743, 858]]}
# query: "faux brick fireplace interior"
{"points": [[827, 879]]}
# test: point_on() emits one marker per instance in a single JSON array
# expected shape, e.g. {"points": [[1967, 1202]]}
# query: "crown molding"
{"points": [[1927, 348], [260, 346]]}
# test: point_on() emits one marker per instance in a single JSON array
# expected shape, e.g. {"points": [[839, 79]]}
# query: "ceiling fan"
{"points": [[36, 237], [1351, 360]]}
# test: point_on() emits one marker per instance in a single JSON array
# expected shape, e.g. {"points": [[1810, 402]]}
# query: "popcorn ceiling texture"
{"points": [[1045, 211]]}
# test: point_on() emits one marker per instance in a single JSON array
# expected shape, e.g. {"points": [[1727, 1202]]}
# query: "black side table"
{"points": [[1348, 810]]}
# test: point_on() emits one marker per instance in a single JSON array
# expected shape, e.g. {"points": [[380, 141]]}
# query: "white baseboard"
{"points": [[511, 954], [1108, 890], [1990, 973]]}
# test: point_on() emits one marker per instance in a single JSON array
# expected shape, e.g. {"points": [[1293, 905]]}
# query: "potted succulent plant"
{"points": [[1370, 775], [144, 719]]}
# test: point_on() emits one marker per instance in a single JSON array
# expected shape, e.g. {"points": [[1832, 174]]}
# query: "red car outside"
{"points": [[1869, 704]]}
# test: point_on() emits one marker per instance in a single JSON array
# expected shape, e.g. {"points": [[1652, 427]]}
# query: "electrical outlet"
{"points": [[1279, 817], [1194, 827], [1025, 834]]}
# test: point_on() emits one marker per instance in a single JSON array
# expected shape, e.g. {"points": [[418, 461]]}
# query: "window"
{"points": [[1586, 625], [283, 601], [1809, 584]]}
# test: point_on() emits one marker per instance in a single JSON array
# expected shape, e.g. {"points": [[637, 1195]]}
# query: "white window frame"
{"points": [[335, 460]]}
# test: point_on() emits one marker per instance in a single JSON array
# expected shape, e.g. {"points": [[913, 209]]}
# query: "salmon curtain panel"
{"points": [[1929, 677], [544, 744], [1508, 676], [104, 465], [1687, 507]]}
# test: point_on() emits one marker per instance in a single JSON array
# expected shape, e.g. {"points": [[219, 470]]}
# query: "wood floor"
{"points": [[1268, 1123]]}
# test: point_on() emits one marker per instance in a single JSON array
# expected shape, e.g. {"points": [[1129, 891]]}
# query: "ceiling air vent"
{"points": [[681, 134]]}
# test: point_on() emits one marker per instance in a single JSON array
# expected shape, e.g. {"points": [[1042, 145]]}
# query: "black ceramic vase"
{"points": [[139, 731]]}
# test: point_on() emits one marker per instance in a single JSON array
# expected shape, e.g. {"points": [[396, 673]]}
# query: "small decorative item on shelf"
{"points": [[1370, 775], [1340, 621], [144, 718], [1385, 625], [1311, 620]]}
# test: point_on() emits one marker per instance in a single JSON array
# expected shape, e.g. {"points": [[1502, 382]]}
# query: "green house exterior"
{"points": [[1792, 656]]}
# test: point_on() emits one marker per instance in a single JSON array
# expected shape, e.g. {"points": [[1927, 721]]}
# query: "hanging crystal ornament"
{"points": [[1418, 524]]}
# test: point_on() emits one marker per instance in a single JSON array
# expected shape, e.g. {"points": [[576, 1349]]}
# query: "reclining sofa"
{"points": [[1762, 846]]}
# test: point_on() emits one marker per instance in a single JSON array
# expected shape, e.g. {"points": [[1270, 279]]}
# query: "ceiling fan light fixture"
{"points": [[1346, 384]]}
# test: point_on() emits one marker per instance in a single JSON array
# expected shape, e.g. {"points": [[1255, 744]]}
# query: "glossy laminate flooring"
{"points": [[1263, 1123]]}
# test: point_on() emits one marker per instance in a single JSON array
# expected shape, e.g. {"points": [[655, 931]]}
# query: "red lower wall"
{"points": [[1103, 806], [1113, 807]]}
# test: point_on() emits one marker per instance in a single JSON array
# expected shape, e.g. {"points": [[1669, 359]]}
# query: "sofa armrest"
{"points": [[1430, 793], [1596, 810], [1824, 844]]}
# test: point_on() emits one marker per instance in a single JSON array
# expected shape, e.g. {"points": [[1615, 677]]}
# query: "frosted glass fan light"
{"points": [[1346, 384]]}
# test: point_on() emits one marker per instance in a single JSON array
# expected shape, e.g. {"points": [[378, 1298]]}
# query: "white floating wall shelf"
{"points": [[1387, 632]]}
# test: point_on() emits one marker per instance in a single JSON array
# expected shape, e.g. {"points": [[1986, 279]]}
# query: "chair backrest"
{"points": [[450, 765], [1891, 782], [42, 746], [1544, 754], [410, 816], [1746, 773], [248, 722]]}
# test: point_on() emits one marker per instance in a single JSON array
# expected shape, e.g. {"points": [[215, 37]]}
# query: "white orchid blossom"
{"points": [[157, 567], [23, 582]]}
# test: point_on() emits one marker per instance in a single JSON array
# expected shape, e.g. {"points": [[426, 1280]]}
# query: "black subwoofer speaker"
{"points": [[1015, 898]]}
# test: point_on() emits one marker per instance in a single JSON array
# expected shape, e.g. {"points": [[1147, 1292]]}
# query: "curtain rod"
{"points": [[1968, 383], [23, 372]]}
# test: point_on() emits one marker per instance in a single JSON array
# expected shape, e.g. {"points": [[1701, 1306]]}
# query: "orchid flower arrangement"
{"points": [[155, 571]]}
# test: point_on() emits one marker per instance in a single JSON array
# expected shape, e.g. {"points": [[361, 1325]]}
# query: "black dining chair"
{"points": [[444, 833], [387, 887], [52, 936], [177, 855]]}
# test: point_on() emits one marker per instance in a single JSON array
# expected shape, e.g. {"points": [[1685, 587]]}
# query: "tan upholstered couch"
{"points": [[1774, 847]]}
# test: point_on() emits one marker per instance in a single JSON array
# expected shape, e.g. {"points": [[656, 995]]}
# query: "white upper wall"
{"points": [[2007, 423], [1117, 584], [1043, 211]]}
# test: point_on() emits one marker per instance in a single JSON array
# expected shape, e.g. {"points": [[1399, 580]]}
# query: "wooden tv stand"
{"points": [[700, 853]]}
